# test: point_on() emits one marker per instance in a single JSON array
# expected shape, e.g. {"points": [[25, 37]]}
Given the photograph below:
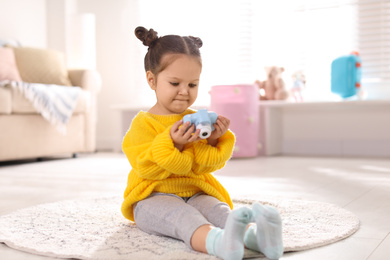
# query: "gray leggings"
{"points": [[170, 215]]}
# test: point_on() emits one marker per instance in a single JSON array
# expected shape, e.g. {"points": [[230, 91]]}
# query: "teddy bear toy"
{"points": [[274, 87], [203, 120]]}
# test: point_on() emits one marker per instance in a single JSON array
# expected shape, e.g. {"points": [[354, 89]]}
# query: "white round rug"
{"points": [[95, 229]]}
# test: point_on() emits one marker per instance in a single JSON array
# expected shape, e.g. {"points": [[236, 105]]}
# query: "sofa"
{"points": [[25, 133]]}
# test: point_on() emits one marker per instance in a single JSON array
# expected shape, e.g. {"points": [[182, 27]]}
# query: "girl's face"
{"points": [[176, 86]]}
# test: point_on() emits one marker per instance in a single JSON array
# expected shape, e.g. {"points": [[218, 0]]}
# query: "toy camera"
{"points": [[203, 120], [346, 75]]}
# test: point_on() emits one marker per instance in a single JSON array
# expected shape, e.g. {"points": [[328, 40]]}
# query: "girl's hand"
{"points": [[182, 136], [221, 126]]}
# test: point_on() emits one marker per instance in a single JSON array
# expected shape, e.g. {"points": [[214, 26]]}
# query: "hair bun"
{"points": [[198, 42], [147, 37]]}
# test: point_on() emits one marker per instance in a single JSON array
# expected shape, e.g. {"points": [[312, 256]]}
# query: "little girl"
{"points": [[171, 190]]}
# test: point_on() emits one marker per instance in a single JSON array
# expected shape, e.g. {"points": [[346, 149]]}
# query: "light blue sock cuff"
{"points": [[211, 238]]}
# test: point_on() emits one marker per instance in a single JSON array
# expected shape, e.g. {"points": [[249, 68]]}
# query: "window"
{"points": [[242, 37], [374, 45]]}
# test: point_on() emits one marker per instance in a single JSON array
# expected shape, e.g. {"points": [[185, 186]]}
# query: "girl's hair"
{"points": [[169, 44]]}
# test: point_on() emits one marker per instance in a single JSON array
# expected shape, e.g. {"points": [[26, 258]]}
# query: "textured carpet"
{"points": [[95, 229]]}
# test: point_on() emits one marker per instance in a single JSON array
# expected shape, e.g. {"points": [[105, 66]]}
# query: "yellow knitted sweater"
{"points": [[157, 166]]}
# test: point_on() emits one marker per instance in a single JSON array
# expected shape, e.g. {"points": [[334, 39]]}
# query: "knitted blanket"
{"points": [[54, 102]]}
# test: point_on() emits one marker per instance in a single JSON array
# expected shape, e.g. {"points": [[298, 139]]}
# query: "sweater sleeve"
{"points": [[153, 155], [208, 158]]}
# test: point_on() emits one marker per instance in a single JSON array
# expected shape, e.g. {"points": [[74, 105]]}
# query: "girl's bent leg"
{"points": [[215, 211], [168, 215]]}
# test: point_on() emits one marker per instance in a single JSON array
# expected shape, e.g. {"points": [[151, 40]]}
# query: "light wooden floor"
{"points": [[362, 186]]}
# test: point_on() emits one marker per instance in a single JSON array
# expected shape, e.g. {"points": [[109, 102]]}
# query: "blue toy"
{"points": [[203, 120], [346, 75]]}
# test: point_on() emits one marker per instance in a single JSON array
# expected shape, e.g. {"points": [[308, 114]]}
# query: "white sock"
{"points": [[266, 235], [228, 243]]}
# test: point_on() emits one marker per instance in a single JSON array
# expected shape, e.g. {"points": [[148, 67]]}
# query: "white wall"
{"points": [[56, 22], [25, 21]]}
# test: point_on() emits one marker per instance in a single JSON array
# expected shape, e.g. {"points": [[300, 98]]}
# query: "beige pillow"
{"points": [[8, 68], [42, 66]]}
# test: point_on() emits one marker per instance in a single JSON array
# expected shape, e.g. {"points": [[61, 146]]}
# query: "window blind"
{"points": [[374, 42]]}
